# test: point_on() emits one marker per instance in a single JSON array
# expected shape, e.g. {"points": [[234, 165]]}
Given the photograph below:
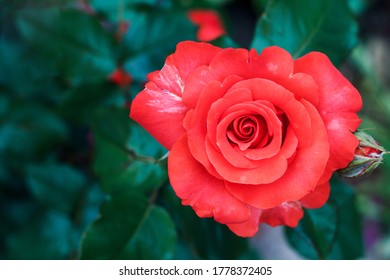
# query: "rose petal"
{"points": [[290, 144], [194, 85], [341, 139], [288, 213], [203, 192], [230, 62], [301, 176], [336, 92], [303, 86], [233, 156], [250, 227], [273, 63], [187, 57], [266, 170], [339, 102], [161, 113], [197, 126], [249, 157], [216, 111], [317, 198]]}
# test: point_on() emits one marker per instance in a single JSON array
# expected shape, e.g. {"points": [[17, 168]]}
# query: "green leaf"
{"points": [[315, 234], [116, 169], [152, 36], [39, 82], [30, 131], [130, 228], [48, 235], [142, 143], [79, 45], [34, 3], [331, 232], [88, 98], [112, 9], [358, 6], [154, 239], [122, 149], [112, 124], [301, 26], [56, 186]]}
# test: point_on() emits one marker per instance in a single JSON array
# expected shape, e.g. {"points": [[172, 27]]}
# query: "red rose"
{"points": [[252, 138], [210, 25]]}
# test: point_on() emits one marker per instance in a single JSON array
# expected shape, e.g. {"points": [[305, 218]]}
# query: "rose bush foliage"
{"points": [[253, 137]]}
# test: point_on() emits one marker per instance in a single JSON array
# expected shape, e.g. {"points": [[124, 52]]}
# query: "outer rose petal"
{"points": [[339, 102], [318, 198], [288, 213], [204, 193], [159, 113], [187, 57], [249, 227], [159, 107], [273, 63]]}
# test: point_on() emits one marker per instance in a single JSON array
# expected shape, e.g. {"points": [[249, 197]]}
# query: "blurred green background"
{"points": [[79, 179]]}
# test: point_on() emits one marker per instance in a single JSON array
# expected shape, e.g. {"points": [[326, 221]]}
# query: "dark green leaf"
{"points": [[88, 98], [154, 239], [129, 228], [79, 45], [30, 131], [152, 36], [56, 186], [301, 26], [331, 232], [259, 5], [46, 236], [315, 234], [117, 169], [37, 74], [33, 3], [112, 124], [142, 143], [111, 8], [122, 150]]}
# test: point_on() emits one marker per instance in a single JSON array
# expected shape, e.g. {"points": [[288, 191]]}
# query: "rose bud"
{"points": [[368, 155]]}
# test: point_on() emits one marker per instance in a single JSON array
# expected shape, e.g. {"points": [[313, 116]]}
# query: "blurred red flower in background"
{"points": [[121, 78], [209, 22]]}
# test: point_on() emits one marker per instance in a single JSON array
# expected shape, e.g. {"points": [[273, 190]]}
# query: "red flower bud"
{"points": [[368, 156], [121, 78], [209, 22]]}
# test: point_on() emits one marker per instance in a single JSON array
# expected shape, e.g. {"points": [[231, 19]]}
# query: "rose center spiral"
{"points": [[248, 131]]}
